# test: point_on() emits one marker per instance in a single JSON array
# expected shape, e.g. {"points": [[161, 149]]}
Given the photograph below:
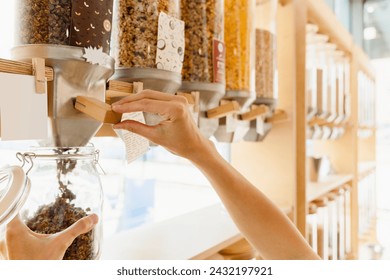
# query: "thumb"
{"points": [[82, 226]]}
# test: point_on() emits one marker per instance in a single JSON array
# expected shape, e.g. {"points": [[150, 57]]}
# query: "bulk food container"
{"points": [[322, 227], [340, 205], [312, 226], [240, 47], [319, 72], [59, 187], [331, 93], [80, 23], [348, 226], [204, 56], [332, 208], [266, 52], [148, 34], [340, 64]]}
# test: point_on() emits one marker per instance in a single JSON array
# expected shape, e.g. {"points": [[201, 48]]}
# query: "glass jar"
{"points": [[312, 226], [65, 187], [148, 34], [266, 51], [77, 23], [14, 189], [332, 208], [240, 46], [322, 227], [204, 56]]}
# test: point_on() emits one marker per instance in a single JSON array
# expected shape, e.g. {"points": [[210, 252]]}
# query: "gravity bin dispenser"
{"points": [[73, 77], [251, 77], [148, 46], [61, 184], [204, 59], [75, 42]]}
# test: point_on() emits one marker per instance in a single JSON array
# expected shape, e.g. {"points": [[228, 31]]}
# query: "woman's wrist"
{"points": [[203, 153]]}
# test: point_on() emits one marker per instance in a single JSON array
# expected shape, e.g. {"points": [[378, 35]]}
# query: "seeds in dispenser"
{"points": [[265, 63]]}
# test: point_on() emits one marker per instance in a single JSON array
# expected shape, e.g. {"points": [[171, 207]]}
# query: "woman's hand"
{"points": [[178, 133], [21, 243]]}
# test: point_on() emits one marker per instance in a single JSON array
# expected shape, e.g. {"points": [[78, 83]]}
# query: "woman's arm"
{"points": [[261, 222]]}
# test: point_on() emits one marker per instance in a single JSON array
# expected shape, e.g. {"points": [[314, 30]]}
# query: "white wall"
{"points": [[7, 30]]}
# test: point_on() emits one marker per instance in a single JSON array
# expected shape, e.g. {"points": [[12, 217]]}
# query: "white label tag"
{"points": [[135, 144], [23, 111], [170, 43]]}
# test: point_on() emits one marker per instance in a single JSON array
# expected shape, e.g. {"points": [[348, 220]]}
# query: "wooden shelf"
{"points": [[332, 182]]}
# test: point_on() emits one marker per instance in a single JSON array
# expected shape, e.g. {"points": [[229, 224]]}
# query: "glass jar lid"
{"points": [[14, 189]]}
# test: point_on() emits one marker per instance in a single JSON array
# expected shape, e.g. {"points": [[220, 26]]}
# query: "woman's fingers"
{"points": [[84, 225]]}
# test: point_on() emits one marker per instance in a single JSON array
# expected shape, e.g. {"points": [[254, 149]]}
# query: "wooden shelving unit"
{"points": [[279, 166]]}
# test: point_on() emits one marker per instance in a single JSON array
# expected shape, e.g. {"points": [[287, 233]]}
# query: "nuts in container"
{"points": [[135, 30], [239, 40], [204, 37], [81, 23]]}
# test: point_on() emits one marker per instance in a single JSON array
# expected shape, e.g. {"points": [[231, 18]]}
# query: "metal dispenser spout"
{"points": [[73, 76]]}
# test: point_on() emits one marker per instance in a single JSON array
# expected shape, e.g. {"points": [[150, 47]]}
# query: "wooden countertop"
{"points": [[189, 236]]}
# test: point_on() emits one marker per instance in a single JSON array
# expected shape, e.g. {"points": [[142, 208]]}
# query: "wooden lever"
{"points": [[223, 110], [278, 116], [119, 89], [97, 109], [254, 113]]}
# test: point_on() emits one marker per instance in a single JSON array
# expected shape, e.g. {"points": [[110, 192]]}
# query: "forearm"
{"points": [[261, 221]]}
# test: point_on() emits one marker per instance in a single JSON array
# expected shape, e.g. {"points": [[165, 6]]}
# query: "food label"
{"points": [[91, 24], [219, 56], [170, 43], [135, 144]]}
